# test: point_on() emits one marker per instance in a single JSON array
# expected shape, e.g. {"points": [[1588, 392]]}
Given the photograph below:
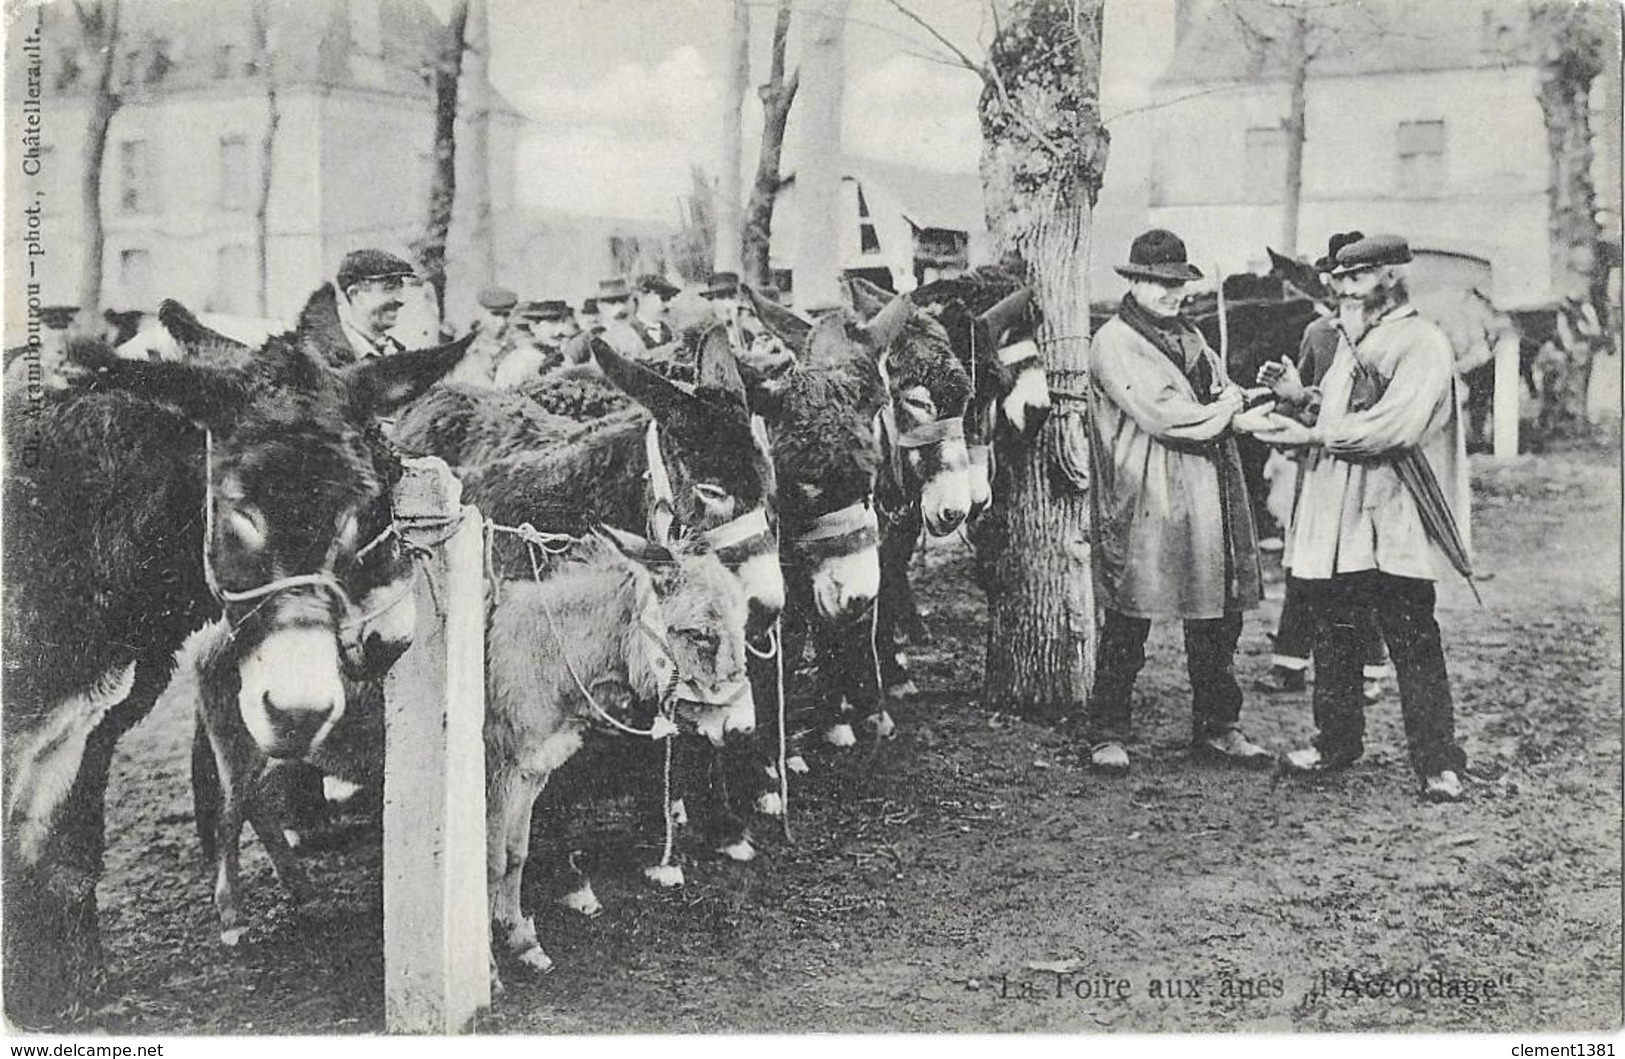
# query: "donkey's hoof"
{"points": [[882, 725], [679, 813], [796, 764], [667, 876], [583, 900], [840, 735], [742, 851], [535, 961], [770, 804], [231, 937]]}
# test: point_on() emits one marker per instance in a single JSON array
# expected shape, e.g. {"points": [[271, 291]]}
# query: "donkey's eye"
{"points": [[710, 494], [246, 524], [918, 402]]}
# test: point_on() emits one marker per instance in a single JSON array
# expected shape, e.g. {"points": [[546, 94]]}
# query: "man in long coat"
{"points": [[1174, 535], [1384, 492]]}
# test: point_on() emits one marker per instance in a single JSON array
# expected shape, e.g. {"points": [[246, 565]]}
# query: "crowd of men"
{"points": [[1369, 407]]}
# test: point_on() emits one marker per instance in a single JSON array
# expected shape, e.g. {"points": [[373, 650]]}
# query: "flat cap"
{"points": [[721, 285], [589, 305], [546, 309], [653, 284], [614, 289], [498, 299], [362, 265], [1372, 251]]}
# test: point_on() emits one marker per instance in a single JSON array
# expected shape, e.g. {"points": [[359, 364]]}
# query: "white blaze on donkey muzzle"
{"points": [[1027, 403], [843, 548], [292, 693]]}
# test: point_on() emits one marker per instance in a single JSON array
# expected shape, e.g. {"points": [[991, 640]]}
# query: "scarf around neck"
{"points": [[1177, 339]]}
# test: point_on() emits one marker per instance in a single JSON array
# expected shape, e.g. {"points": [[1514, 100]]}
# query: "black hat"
{"points": [[1333, 245], [498, 299], [58, 317], [1159, 254], [653, 284], [546, 309], [1372, 251], [771, 293], [721, 285], [362, 265], [613, 290], [589, 305]]}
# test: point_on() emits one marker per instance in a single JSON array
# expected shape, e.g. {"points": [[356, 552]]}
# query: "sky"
{"points": [[625, 96]]}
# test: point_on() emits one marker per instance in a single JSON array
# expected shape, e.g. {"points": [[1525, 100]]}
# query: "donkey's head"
{"points": [[686, 641], [297, 547], [709, 465], [930, 390], [821, 416], [991, 321]]}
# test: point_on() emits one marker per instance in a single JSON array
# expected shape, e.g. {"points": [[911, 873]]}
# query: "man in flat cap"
{"points": [[649, 320], [543, 325], [615, 309], [496, 332], [722, 293], [1295, 632], [370, 286], [1174, 529], [1380, 513]]}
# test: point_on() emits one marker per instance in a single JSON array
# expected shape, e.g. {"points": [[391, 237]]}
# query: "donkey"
{"points": [[570, 655], [154, 497]]}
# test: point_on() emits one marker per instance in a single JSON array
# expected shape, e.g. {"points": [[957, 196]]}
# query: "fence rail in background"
{"points": [[436, 948]]}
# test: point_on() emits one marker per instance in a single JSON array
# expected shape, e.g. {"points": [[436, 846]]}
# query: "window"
{"points": [[1265, 168], [135, 176], [1421, 157], [236, 281], [236, 173], [135, 277]]}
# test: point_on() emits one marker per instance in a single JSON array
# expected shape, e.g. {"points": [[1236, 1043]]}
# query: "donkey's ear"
{"points": [[381, 385], [208, 395], [718, 370], [830, 345], [638, 549], [998, 319], [884, 327], [651, 390], [786, 325], [867, 298], [191, 334]]}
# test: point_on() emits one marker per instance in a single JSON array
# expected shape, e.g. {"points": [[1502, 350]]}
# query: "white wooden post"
{"points": [[436, 927], [1504, 405]]}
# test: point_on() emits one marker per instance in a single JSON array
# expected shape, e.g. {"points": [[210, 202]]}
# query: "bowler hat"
{"points": [[546, 309], [359, 266], [721, 285], [1159, 254], [589, 305], [613, 290], [653, 284], [1336, 243], [1372, 251], [498, 299]]}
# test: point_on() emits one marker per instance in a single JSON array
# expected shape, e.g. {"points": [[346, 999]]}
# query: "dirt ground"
{"points": [[972, 876]]}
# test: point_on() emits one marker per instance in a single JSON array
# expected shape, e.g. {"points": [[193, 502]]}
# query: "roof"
{"points": [[929, 198], [184, 44], [1248, 40]]}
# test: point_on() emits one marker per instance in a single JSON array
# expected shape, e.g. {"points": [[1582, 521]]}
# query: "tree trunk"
{"points": [[1043, 156], [776, 95], [818, 174], [101, 37], [265, 60], [431, 249], [482, 238], [730, 210], [1297, 131], [1573, 39]]}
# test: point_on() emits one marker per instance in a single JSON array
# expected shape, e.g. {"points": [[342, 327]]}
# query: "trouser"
{"points": [[1404, 612], [1295, 636], [1210, 648], [1477, 405]]}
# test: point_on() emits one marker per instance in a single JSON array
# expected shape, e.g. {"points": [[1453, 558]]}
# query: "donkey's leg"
{"points": [[522, 941], [898, 617], [262, 813], [228, 835]]}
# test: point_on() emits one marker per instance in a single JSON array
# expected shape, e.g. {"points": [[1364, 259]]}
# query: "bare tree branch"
{"points": [[965, 60]]}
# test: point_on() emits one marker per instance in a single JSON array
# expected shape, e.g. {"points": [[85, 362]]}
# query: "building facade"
{"points": [[350, 158]]}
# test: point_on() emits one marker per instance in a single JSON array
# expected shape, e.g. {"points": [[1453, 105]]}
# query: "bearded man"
{"points": [[1384, 489], [1174, 529]]}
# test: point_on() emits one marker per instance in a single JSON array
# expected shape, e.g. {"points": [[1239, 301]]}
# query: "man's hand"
{"points": [[1287, 433], [1282, 377]]}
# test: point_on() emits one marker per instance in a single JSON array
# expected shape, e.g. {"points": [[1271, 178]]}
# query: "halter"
{"points": [[848, 531], [323, 578]]}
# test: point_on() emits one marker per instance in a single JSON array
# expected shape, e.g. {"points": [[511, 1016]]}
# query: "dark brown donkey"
{"points": [[154, 497]]}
